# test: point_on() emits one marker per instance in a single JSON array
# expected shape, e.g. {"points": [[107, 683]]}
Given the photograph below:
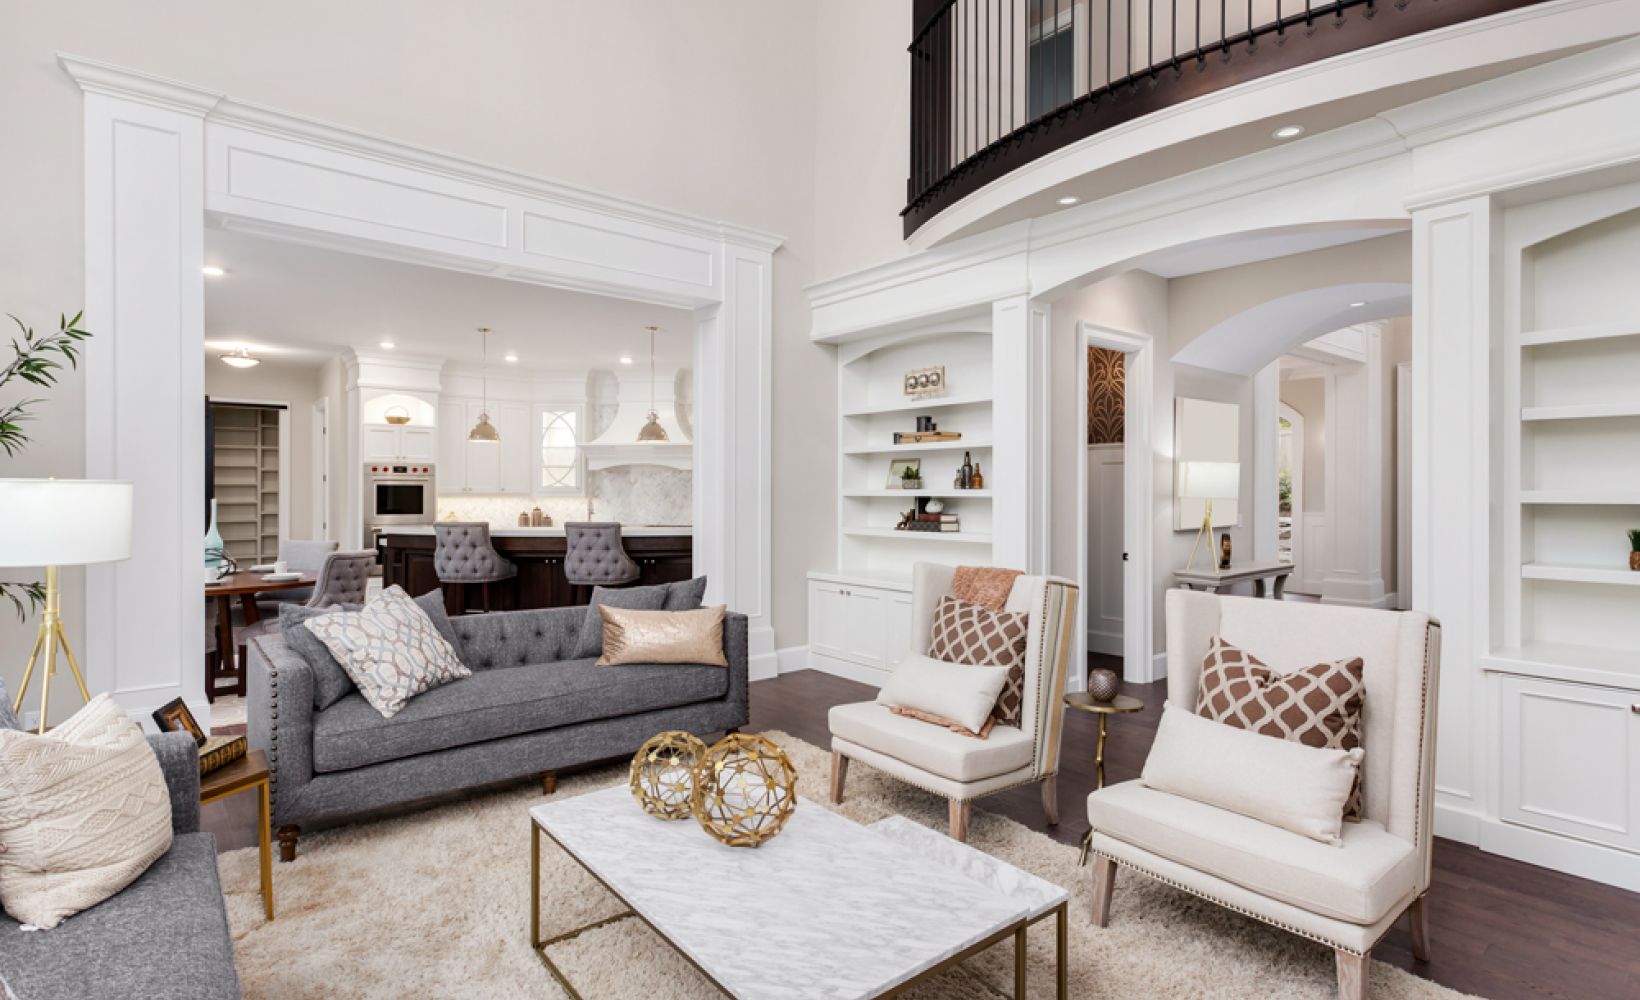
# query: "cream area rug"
{"points": [[436, 905]]}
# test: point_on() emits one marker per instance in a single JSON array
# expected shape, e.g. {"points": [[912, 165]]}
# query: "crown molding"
{"points": [[981, 248], [96, 77]]}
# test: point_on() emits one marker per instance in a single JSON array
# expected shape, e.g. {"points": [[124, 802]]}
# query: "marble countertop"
{"points": [[627, 530]]}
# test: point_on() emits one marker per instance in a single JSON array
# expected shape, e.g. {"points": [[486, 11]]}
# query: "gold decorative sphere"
{"points": [[663, 774], [745, 790]]}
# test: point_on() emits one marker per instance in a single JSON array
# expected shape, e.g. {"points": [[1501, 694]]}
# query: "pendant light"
{"points": [[652, 431], [484, 430]]}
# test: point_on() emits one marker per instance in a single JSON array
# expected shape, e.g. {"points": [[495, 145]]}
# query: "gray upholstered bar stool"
{"points": [[594, 556], [463, 555], [344, 578]]}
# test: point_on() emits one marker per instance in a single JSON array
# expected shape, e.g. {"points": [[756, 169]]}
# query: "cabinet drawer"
{"points": [[1570, 759]]}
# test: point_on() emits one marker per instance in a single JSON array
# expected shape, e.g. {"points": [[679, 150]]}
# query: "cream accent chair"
{"points": [[962, 768], [1346, 897]]}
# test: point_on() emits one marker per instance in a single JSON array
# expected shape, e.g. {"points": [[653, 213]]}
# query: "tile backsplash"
{"points": [[634, 494]]}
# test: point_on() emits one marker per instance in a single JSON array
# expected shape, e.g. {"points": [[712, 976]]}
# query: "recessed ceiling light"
{"points": [[512, 357], [1357, 305], [387, 345], [1069, 199], [1288, 132], [212, 271], [626, 359], [240, 359]]}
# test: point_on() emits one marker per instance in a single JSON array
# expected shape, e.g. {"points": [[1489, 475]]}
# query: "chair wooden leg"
{"points": [[287, 842], [1104, 884], [1352, 975], [839, 774], [960, 812], [549, 782], [1419, 915], [1050, 799]]}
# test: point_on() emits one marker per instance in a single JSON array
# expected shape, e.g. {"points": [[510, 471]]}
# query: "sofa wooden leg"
{"points": [[1104, 884], [839, 774], [1050, 799], [960, 811], [287, 842], [1352, 975], [549, 782], [1419, 915]]}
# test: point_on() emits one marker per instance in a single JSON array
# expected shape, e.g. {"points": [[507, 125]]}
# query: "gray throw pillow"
{"points": [[432, 604], [591, 640], [330, 681], [686, 595], [8, 719]]}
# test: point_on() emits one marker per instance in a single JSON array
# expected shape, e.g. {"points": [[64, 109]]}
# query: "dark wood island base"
{"points": [[407, 560]]}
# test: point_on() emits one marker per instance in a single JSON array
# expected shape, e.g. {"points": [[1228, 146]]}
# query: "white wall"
{"points": [[702, 108], [297, 388], [1309, 397]]}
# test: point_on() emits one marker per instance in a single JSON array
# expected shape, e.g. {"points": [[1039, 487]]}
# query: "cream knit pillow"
{"points": [[84, 810]]}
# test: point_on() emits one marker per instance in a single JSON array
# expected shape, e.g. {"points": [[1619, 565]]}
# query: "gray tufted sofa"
{"points": [[531, 708]]}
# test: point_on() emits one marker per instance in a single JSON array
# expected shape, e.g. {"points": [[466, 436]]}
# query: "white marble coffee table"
{"points": [[827, 909]]}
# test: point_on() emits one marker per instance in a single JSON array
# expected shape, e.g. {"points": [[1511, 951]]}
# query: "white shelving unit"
{"points": [[246, 445]]}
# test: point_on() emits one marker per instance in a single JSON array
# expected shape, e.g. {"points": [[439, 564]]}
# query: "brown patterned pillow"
{"points": [[966, 632], [1318, 706]]}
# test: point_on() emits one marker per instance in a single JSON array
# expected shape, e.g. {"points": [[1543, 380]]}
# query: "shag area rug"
{"points": [[436, 905]]}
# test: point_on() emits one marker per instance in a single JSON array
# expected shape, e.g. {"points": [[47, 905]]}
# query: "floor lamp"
{"points": [[54, 523], [1208, 481]]}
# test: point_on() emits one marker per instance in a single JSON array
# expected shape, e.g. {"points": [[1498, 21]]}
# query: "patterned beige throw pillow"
{"points": [[84, 810], [1318, 706], [390, 648], [971, 633]]}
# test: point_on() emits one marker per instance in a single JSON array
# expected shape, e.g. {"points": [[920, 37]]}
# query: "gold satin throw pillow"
{"points": [[632, 636]]}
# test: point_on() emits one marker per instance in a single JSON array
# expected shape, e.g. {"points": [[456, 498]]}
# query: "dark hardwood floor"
{"points": [[1500, 928]]}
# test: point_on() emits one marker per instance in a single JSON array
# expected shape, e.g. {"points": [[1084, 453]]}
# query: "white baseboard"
{"points": [[792, 658], [1546, 850], [846, 669], [764, 667], [1158, 671], [1458, 824]]}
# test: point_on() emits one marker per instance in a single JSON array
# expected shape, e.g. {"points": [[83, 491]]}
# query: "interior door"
{"points": [[1105, 548]]}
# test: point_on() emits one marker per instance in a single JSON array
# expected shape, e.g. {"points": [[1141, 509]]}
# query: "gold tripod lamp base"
{"points": [[1206, 531], [48, 639]]}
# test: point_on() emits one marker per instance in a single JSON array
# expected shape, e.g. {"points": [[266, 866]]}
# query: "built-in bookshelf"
{"points": [[246, 448], [872, 407]]}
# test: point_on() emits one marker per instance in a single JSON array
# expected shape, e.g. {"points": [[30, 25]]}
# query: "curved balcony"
{"points": [[997, 84]]}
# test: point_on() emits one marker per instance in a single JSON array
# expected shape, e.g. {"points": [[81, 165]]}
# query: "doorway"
{"points": [[1289, 485]]}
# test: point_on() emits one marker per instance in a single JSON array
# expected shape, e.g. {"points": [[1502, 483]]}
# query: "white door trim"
{"points": [[1296, 419], [321, 468], [1138, 488], [157, 156]]}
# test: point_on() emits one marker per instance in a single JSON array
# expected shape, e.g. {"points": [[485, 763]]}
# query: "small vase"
{"points": [[213, 541], [1634, 561], [1102, 684]]}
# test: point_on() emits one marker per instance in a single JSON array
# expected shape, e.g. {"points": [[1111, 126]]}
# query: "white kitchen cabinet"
{"points": [[452, 446], [399, 442], [512, 421], [1570, 759], [490, 467], [857, 629]]}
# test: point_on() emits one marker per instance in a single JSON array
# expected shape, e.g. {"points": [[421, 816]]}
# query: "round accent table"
{"points": [[1119, 705]]}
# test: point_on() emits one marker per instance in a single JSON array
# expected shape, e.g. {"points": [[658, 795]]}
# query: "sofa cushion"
{"points": [[931, 748], [1357, 881], [504, 701], [164, 935], [390, 649]]}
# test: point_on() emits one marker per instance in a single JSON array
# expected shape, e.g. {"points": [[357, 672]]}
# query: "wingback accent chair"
{"points": [[1348, 896], [962, 768]]}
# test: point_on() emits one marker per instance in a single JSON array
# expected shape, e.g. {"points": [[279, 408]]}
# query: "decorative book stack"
{"points": [[220, 751], [924, 521]]}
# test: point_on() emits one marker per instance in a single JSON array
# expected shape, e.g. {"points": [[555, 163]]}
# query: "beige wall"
{"points": [[707, 108], [1309, 397], [296, 387]]}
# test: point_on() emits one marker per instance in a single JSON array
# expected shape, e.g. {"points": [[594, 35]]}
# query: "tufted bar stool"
{"points": [[344, 578], [594, 556], [462, 555]]}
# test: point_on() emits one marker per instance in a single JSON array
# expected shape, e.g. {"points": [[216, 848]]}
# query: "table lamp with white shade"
{"points": [[53, 523], [1208, 481]]}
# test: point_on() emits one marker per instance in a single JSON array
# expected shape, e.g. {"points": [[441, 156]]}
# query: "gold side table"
{"points": [[1119, 705], [246, 773]]}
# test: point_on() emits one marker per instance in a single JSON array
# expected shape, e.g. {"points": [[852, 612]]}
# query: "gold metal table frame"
{"points": [[1015, 930]]}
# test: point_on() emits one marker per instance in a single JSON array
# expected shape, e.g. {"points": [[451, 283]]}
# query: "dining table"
{"points": [[245, 585]]}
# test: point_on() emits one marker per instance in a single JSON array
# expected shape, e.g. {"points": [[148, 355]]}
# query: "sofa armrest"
{"points": [[736, 650], [279, 718], [179, 761]]}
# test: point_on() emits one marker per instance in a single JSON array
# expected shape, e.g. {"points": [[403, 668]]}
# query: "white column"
{"points": [[1456, 321], [1266, 449], [1355, 477], [732, 453], [144, 236], [1020, 430]]}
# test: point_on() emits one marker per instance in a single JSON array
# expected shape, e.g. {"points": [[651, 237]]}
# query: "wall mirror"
{"points": [[1203, 431]]}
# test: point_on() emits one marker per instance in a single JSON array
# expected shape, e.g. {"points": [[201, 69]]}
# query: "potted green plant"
{"points": [[1634, 549], [910, 478]]}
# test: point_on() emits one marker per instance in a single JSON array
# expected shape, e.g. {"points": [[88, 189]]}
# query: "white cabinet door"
{"points": [[418, 444], [512, 421], [1571, 759], [452, 446], [381, 442], [828, 618], [863, 638], [896, 637], [483, 457]]}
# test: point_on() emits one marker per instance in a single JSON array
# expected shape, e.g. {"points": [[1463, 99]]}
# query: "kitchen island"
{"points": [[664, 554]]}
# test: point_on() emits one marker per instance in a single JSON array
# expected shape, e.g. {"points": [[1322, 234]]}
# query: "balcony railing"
{"points": [[996, 84]]}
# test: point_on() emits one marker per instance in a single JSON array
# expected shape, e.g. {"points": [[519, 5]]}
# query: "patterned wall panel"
{"points": [[1107, 392]]}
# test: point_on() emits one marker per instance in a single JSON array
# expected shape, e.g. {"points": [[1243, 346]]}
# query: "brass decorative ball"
{"points": [[745, 790], [663, 774]]}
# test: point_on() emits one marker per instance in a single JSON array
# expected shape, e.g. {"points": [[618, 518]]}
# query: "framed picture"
{"points": [[924, 383], [896, 471], [174, 717]]}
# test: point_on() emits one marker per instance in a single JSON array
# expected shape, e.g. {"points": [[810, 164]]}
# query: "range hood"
{"points": [[619, 446]]}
